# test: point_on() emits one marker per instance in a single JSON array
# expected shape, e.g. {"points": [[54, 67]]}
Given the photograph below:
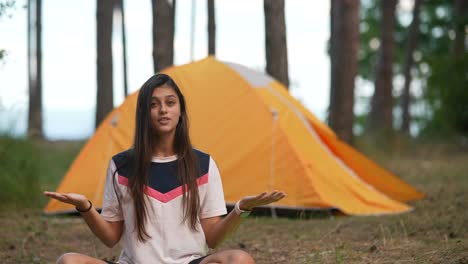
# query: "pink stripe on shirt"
{"points": [[164, 197]]}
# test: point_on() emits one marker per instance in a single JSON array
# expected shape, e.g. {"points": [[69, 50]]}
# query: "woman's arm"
{"points": [[216, 229], [108, 232]]}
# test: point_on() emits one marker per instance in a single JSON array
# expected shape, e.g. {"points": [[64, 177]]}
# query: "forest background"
{"points": [[398, 92]]}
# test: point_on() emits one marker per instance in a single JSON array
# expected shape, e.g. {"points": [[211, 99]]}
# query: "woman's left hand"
{"points": [[249, 202]]}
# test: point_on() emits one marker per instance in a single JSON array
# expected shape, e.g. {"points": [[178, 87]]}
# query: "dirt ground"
{"points": [[434, 232]]}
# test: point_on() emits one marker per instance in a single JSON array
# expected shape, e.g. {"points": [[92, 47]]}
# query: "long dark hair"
{"points": [[144, 141]]}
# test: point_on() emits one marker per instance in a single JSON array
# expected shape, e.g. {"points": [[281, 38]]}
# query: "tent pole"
{"points": [[272, 159]]}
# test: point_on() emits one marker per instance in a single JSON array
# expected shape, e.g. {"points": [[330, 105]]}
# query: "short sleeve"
{"points": [[212, 203], [111, 209]]}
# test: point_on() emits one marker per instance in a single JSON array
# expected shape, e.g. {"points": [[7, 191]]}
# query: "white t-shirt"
{"points": [[172, 240]]}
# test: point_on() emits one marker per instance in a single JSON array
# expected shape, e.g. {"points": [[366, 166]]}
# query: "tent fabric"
{"points": [[261, 138]]}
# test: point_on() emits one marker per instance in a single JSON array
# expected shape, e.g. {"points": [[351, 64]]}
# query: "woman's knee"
{"points": [[68, 258], [75, 258], [240, 256]]}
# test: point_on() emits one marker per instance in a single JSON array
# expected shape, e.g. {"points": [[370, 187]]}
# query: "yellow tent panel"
{"points": [[261, 138]]}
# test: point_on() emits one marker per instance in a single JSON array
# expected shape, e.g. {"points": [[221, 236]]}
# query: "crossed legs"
{"points": [[75, 258], [232, 256]]}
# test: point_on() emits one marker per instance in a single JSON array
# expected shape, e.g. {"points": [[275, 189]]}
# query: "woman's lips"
{"points": [[164, 120]]}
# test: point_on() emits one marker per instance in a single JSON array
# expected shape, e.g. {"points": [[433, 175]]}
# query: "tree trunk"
{"points": [[35, 68], [408, 64], [344, 43], [381, 116], [275, 41], [211, 28], [163, 33], [121, 10], [461, 17], [104, 100], [459, 63]]}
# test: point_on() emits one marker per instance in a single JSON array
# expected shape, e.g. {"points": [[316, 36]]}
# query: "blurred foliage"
{"points": [[5, 6], [447, 94], [442, 77], [28, 167], [19, 165], [2, 54]]}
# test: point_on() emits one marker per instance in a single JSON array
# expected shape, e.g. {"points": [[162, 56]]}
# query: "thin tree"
{"points": [[104, 100], [411, 45], [458, 91], [381, 116], [461, 21], [193, 20], [211, 28], [120, 9], [163, 33], [344, 42], [35, 68], [275, 40]]}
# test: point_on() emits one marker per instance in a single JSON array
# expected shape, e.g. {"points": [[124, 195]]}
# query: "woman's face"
{"points": [[165, 109]]}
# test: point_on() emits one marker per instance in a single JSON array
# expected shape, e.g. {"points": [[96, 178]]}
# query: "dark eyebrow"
{"points": [[167, 96]]}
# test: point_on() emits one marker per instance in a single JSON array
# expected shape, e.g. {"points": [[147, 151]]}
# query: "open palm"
{"points": [[75, 199], [249, 202]]}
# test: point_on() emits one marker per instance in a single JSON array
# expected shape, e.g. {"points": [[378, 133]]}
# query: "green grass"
{"points": [[434, 232], [28, 167]]}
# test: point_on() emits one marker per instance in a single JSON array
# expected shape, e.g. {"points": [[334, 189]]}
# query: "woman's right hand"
{"points": [[109, 232], [78, 200]]}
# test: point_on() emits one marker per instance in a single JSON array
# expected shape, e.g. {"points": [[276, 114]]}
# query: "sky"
{"points": [[69, 55]]}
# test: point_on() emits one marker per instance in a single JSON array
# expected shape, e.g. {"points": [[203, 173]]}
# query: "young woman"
{"points": [[163, 200]]}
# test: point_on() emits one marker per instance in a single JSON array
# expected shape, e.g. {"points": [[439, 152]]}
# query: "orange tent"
{"points": [[261, 138]]}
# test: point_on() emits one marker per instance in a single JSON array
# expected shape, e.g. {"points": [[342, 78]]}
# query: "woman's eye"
{"points": [[170, 103], [153, 105]]}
